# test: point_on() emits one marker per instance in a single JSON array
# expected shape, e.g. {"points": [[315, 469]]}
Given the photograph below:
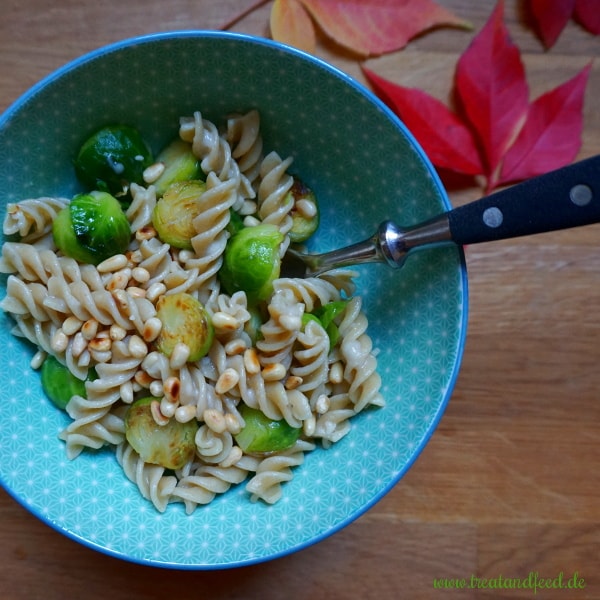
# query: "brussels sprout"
{"points": [[184, 320], [180, 165], [170, 446], [113, 158], [251, 261], [59, 384], [174, 213], [91, 228], [305, 214], [261, 434]]}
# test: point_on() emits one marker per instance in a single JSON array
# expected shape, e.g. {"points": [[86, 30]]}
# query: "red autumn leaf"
{"points": [[492, 88], [587, 12], [446, 140], [498, 134], [374, 27], [551, 17], [551, 136], [291, 24]]}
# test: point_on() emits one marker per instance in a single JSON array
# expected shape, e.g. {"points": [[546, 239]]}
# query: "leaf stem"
{"points": [[239, 16]]}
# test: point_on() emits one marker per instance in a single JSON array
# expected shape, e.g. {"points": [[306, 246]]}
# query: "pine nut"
{"points": [[100, 356], [179, 356], [71, 325], [309, 426], [186, 413], [155, 290], [89, 329], [126, 392], [172, 387], [59, 341], [156, 388], [143, 379], [224, 321], [153, 172], [168, 408], [322, 404], [251, 361], [233, 424], [336, 372], [306, 208], [116, 333], [251, 221], [100, 344], [235, 454], [152, 328], [234, 347], [79, 345], [292, 382], [112, 264], [214, 420], [274, 372], [38, 359], [147, 232], [84, 359], [140, 274], [227, 380], [159, 418], [136, 292], [137, 347], [119, 280]]}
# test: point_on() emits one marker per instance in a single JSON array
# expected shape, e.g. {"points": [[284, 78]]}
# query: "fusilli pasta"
{"points": [[102, 323]]}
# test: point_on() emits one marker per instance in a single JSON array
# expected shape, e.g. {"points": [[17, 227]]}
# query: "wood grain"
{"points": [[508, 484]]}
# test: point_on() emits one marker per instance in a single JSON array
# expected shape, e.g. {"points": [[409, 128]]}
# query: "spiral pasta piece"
{"points": [[275, 470], [150, 479], [207, 482], [311, 360], [211, 237], [275, 203], [32, 219], [243, 135], [281, 330], [360, 364], [143, 201], [214, 153]]}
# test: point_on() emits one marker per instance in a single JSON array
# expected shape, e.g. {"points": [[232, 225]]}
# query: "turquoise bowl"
{"points": [[365, 167]]}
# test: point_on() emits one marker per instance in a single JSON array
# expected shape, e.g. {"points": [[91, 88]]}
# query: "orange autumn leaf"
{"points": [[370, 27], [292, 25]]}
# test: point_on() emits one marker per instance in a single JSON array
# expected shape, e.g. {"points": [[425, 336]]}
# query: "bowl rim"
{"points": [[165, 36]]}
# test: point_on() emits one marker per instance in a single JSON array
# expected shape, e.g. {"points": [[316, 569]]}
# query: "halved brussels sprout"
{"points": [[184, 320], [174, 213], [305, 214], [170, 446], [262, 435], [92, 228], [251, 261], [180, 165], [113, 158], [59, 384]]}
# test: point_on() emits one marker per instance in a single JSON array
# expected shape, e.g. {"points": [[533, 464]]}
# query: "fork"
{"points": [[561, 199]]}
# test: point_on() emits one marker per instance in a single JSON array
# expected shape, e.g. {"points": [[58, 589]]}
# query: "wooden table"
{"points": [[509, 483]]}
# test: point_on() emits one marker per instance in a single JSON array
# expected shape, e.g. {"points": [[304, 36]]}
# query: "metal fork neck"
{"points": [[395, 243]]}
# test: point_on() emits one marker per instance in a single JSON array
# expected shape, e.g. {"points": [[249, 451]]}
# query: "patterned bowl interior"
{"points": [[365, 167]]}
